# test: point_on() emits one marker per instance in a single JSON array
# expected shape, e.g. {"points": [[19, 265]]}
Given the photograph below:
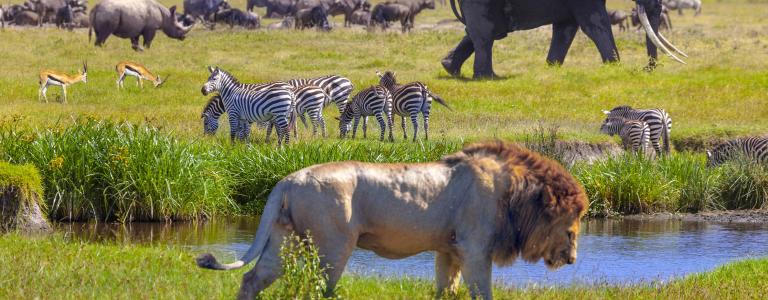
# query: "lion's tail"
{"points": [[268, 219]]}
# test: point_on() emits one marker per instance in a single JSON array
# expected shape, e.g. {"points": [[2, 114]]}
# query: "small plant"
{"points": [[303, 276], [744, 185], [544, 140]]}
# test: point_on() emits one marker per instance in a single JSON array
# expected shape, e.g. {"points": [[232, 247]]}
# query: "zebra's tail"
{"points": [[665, 135], [440, 100]]}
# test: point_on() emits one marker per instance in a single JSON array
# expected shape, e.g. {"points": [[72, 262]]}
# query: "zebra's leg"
{"points": [[415, 121], [382, 125], [425, 115], [354, 127], [314, 116], [405, 129], [656, 147], [269, 132], [234, 127], [365, 127]]}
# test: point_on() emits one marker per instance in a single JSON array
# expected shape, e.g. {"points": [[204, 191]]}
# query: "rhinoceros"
{"points": [[131, 19]]}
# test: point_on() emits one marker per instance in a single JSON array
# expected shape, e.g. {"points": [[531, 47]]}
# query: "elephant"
{"points": [[489, 20]]}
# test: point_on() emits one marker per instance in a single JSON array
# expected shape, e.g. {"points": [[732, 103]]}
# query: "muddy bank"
{"points": [[715, 216]]}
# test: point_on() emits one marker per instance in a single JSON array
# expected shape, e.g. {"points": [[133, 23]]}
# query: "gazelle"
{"points": [[127, 68], [49, 77]]}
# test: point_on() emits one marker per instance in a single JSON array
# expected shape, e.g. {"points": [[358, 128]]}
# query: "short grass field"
{"points": [[721, 91], [53, 267]]}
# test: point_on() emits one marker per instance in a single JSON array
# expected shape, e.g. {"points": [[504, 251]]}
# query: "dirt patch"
{"points": [[21, 212], [715, 216]]}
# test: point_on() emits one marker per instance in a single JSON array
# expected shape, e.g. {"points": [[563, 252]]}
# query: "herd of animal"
{"points": [[299, 14], [626, 20]]}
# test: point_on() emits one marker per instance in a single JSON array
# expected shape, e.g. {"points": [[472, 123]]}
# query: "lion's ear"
{"points": [[549, 200]]}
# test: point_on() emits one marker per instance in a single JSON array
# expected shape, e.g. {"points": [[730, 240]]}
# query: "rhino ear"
{"points": [[173, 11]]}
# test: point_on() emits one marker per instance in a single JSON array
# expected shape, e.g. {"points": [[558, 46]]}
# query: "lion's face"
{"points": [[555, 242], [561, 248]]}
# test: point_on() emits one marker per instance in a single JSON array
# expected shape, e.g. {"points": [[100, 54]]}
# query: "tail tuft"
{"points": [[208, 261]]}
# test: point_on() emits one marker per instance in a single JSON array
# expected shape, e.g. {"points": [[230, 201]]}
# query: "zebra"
{"points": [[634, 134], [658, 120], [409, 100], [311, 99], [753, 148], [373, 101], [337, 87], [245, 105]]}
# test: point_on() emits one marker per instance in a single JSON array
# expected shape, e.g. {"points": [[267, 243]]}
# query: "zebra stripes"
{"points": [[410, 100], [246, 105], [635, 135], [310, 100], [337, 87], [753, 148], [658, 120], [373, 101]]}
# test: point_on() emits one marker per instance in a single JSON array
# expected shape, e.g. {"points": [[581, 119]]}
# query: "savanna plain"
{"points": [[112, 155]]}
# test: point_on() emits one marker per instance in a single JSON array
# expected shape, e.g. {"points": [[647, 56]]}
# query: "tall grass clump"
{"points": [[303, 275], [744, 185], [105, 170], [256, 168]]}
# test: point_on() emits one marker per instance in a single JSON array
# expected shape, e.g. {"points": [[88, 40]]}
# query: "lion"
{"points": [[489, 203]]}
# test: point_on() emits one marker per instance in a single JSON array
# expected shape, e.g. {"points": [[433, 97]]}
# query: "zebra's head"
{"points": [[211, 114], [345, 122], [214, 82], [611, 125], [387, 79]]}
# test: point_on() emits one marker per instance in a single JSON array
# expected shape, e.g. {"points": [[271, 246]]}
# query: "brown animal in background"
{"points": [[26, 18], [489, 203], [619, 17], [360, 17]]}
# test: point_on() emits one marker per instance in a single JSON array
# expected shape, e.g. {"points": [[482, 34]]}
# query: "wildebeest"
{"points": [[135, 18], [46, 9], [286, 23], [26, 18], [234, 16], [360, 17], [313, 17], [679, 5], [347, 8], [205, 9], [275, 8], [619, 17], [383, 13]]}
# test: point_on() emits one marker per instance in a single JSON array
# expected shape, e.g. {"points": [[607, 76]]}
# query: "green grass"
{"points": [[62, 269], [24, 177], [721, 92]]}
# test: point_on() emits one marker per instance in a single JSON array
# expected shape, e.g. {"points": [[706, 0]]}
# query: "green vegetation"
{"points": [[721, 92], [24, 177], [64, 269], [103, 170]]}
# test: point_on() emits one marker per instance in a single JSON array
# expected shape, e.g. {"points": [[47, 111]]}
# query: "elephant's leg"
{"points": [[455, 59], [562, 37], [486, 22], [267, 269], [446, 273], [594, 21]]}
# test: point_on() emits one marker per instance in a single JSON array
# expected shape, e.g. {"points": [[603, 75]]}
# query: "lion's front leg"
{"points": [[476, 269], [447, 273]]}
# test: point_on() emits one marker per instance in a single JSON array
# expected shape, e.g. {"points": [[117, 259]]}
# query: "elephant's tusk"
{"points": [[666, 42], [652, 34]]}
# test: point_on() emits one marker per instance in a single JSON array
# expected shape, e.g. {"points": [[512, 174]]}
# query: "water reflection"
{"points": [[610, 251]]}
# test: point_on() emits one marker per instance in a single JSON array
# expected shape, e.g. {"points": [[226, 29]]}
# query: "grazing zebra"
{"points": [[410, 99], [634, 134], [373, 101], [245, 105], [311, 99], [337, 87], [658, 120], [753, 148]]}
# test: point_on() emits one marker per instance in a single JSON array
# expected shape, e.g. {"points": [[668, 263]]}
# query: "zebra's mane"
{"points": [[230, 77], [622, 107]]}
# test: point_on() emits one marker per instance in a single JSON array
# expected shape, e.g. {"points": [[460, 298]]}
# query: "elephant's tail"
{"points": [[456, 13]]}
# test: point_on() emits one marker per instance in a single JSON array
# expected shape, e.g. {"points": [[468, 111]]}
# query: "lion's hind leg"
{"points": [[267, 269], [447, 272]]}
